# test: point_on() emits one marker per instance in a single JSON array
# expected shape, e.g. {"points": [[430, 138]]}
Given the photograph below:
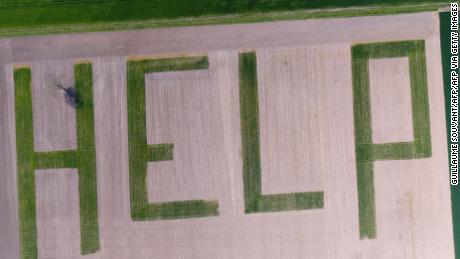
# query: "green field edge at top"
{"points": [[248, 17]]}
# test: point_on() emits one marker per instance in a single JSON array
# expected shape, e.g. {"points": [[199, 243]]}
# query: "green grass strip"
{"points": [[83, 159], [254, 201], [140, 153], [366, 151], [25, 164], [444, 18], [36, 19], [86, 160]]}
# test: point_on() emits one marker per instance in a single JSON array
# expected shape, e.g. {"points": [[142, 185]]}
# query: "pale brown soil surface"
{"points": [[390, 100], [58, 218]]}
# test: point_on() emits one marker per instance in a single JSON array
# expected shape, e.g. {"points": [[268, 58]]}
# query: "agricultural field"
{"points": [[25, 17], [292, 139]]}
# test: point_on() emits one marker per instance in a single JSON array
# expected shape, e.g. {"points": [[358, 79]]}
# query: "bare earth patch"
{"points": [[58, 218], [183, 109], [390, 100], [8, 193], [54, 119], [290, 101]]}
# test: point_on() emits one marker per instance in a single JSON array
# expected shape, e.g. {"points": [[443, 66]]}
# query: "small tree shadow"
{"points": [[71, 96]]}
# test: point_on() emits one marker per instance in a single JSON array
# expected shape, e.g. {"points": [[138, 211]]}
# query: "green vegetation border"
{"points": [[83, 158], [254, 201], [444, 24], [51, 19], [140, 153], [366, 151]]}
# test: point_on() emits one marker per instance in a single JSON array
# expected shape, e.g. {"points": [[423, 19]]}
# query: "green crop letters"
{"points": [[140, 153], [83, 158], [366, 151], [254, 200]]}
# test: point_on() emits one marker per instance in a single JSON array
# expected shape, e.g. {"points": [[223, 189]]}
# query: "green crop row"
{"points": [[366, 151]]}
